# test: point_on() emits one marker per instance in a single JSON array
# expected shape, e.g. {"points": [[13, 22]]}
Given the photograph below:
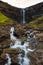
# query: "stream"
{"points": [[24, 16], [23, 58]]}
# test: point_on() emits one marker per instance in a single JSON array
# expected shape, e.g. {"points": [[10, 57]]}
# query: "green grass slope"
{"points": [[5, 20], [36, 24]]}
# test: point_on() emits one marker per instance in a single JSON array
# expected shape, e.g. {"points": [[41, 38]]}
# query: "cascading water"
{"points": [[23, 16], [9, 60], [22, 60]]}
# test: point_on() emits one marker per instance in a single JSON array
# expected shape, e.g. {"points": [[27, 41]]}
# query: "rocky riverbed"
{"points": [[23, 34]]}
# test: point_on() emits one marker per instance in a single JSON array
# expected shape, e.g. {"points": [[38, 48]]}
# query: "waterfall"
{"points": [[23, 58], [23, 16], [9, 60]]}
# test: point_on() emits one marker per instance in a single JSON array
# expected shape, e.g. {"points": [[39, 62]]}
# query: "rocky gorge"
{"points": [[21, 44], [31, 13], [28, 35]]}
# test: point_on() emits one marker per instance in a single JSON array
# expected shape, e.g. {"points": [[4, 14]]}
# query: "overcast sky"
{"points": [[22, 3]]}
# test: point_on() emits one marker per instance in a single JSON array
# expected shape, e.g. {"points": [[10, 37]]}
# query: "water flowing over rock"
{"points": [[9, 60], [30, 13], [23, 58], [24, 16], [20, 51], [21, 44]]}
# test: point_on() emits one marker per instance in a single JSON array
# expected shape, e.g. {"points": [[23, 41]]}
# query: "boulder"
{"points": [[13, 54], [5, 44], [39, 36], [3, 59], [36, 57], [4, 32]]}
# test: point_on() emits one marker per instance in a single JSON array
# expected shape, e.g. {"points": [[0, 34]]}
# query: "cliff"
{"points": [[31, 13], [10, 11], [34, 12]]}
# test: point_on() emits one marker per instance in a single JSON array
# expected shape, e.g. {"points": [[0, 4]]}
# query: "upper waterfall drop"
{"points": [[24, 16]]}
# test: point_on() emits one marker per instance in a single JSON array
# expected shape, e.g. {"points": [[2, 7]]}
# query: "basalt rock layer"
{"points": [[15, 13]]}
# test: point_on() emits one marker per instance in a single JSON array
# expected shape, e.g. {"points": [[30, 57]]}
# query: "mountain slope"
{"points": [[37, 23], [31, 13], [5, 20]]}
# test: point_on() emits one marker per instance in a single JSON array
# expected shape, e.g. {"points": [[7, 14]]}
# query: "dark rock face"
{"points": [[34, 11], [31, 13], [10, 11], [3, 59]]}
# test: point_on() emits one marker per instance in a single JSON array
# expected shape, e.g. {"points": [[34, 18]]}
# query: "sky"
{"points": [[22, 3]]}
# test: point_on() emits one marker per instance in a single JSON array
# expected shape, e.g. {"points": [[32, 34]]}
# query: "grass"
{"points": [[38, 23], [5, 20]]}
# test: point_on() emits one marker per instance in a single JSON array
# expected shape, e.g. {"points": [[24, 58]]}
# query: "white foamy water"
{"points": [[22, 3], [9, 60], [23, 16], [11, 34], [22, 60]]}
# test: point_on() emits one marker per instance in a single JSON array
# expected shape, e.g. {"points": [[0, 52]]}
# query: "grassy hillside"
{"points": [[5, 20], [38, 23]]}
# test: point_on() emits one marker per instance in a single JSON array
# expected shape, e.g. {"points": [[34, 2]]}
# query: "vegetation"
{"points": [[5, 20], [38, 23]]}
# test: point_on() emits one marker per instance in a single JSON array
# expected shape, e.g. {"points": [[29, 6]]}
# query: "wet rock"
{"points": [[19, 30], [5, 44], [14, 59], [36, 57], [15, 64], [13, 54], [3, 59], [39, 37], [22, 43], [23, 39], [40, 29], [32, 46], [15, 51], [19, 33], [32, 41], [4, 32], [1, 50], [39, 45], [3, 56]]}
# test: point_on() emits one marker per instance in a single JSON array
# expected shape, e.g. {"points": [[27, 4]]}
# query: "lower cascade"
{"points": [[9, 60], [23, 58]]}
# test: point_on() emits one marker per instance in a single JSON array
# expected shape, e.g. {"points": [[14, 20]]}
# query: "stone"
{"points": [[3, 59], [36, 57], [5, 44], [4, 32]]}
